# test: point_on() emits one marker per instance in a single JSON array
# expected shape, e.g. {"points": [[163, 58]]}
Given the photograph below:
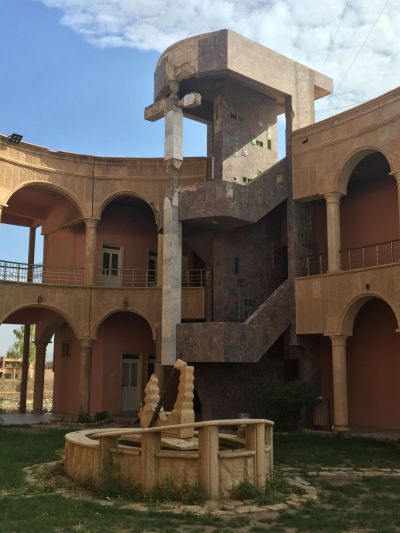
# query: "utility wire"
{"points": [[363, 43], [333, 39], [361, 47]]}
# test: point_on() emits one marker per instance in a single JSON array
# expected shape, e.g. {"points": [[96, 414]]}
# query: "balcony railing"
{"points": [[371, 255], [49, 275], [128, 278]]}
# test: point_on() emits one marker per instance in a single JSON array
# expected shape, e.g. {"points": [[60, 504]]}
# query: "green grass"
{"points": [[304, 450], [345, 504], [20, 448]]}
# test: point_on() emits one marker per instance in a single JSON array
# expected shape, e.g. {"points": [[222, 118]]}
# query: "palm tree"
{"points": [[16, 350]]}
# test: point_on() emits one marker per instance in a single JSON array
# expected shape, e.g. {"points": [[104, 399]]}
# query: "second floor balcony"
{"points": [[74, 276], [361, 257]]}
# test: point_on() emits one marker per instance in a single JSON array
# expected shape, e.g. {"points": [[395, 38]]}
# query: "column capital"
{"points": [[396, 174], [91, 221], [338, 340], [333, 197], [40, 344], [87, 343]]}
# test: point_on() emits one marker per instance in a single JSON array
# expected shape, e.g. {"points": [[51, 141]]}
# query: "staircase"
{"points": [[244, 203], [238, 342]]}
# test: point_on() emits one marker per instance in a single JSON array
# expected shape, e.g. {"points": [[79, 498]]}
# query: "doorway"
{"points": [[131, 385], [112, 261]]}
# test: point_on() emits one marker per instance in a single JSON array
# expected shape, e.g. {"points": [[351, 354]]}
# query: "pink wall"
{"points": [[369, 212], [65, 247], [66, 373], [120, 333], [373, 367], [132, 227]]}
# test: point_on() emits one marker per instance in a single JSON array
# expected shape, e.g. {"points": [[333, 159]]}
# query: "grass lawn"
{"points": [[345, 504]]}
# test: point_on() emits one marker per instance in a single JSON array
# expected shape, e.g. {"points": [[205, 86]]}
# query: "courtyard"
{"points": [[355, 481]]}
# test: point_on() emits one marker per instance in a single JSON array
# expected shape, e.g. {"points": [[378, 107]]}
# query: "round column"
{"points": [[38, 385], [90, 250], [85, 375], [339, 370], [333, 230]]}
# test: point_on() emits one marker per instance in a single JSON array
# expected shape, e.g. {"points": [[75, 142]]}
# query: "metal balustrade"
{"points": [[126, 278], [49, 275], [371, 255]]}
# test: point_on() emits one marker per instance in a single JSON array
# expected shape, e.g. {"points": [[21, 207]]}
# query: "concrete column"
{"points": [[396, 174], [159, 259], [31, 253], [333, 230], [208, 464], [25, 369], [38, 386], [339, 370], [90, 250], [85, 375], [171, 279]]}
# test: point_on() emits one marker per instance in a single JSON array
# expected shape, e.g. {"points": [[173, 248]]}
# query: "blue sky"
{"points": [[63, 93], [77, 74]]}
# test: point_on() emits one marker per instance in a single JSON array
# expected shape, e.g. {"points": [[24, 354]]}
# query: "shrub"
{"points": [[100, 416], [285, 403], [83, 419]]}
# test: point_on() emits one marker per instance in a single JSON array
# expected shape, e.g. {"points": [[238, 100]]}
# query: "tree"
{"points": [[16, 350]]}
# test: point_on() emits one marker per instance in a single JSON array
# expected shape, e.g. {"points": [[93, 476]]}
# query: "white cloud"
{"points": [[302, 30]]}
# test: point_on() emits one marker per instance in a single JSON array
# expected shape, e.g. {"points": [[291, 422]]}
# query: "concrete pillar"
{"points": [[85, 375], [159, 259], [38, 386], [24, 369], [31, 253], [171, 279], [339, 370], [396, 174], [90, 250], [255, 441], [333, 230], [209, 464]]}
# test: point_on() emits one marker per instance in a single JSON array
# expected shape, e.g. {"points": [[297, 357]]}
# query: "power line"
{"points": [[360, 49], [363, 44], [341, 18]]}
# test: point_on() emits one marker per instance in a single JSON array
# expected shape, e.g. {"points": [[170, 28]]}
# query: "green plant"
{"points": [[83, 418], [192, 494], [100, 416], [285, 403], [246, 491], [163, 492]]}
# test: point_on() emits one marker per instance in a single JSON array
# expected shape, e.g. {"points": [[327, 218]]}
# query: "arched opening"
{"points": [[369, 215], [53, 353], [123, 359], [127, 244], [373, 367], [54, 256]]}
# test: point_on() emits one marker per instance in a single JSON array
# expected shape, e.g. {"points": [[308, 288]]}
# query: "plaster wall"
{"points": [[323, 302], [132, 228], [66, 372], [373, 368], [324, 154], [118, 334]]}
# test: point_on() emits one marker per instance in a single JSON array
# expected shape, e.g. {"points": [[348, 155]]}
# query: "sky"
{"points": [[77, 74]]}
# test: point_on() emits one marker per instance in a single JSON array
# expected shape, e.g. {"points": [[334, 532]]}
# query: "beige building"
{"points": [[253, 269]]}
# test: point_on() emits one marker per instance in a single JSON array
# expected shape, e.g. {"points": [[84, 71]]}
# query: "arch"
{"points": [[351, 161], [120, 194], [57, 188], [124, 310], [77, 332], [346, 321]]}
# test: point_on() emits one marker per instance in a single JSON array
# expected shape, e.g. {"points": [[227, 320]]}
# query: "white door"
{"points": [[112, 259], [131, 382]]}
